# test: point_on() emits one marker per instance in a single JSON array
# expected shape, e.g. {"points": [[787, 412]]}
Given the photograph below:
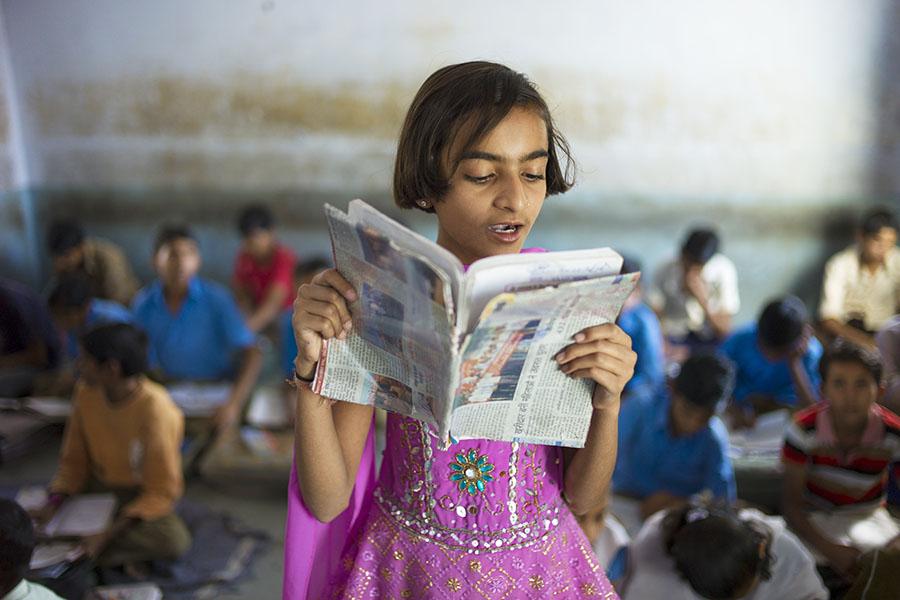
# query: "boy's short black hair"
{"points": [[715, 551], [706, 380], [842, 350], [255, 217], [171, 232], [64, 235], [700, 245], [782, 321], [877, 219], [16, 544], [313, 265], [630, 264], [72, 290], [121, 342]]}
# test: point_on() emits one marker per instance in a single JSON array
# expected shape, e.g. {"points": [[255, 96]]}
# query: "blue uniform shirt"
{"points": [[755, 374], [642, 325], [201, 341], [100, 312], [650, 460], [288, 343]]}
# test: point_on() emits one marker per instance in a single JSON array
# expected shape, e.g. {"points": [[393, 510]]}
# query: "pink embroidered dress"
{"points": [[480, 520]]}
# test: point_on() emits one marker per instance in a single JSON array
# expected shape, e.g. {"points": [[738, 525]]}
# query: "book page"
{"points": [[82, 515], [511, 388], [396, 355], [495, 275]]}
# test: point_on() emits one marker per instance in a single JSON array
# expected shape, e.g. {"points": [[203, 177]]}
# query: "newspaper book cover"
{"points": [[467, 350]]}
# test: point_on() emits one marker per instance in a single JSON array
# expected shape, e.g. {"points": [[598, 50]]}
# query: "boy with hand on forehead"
{"points": [[776, 361], [836, 457]]}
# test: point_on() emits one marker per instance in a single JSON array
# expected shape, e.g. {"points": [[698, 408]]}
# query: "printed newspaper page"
{"points": [[398, 354], [510, 387], [495, 275]]}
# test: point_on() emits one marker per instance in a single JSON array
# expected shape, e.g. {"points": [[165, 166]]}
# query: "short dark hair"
{"points": [[782, 321], [471, 97], [16, 544], [313, 265], [64, 235], [706, 380], [715, 551], [877, 219], [842, 350], [121, 342], [630, 264], [72, 290], [255, 217], [171, 232], [700, 245]]}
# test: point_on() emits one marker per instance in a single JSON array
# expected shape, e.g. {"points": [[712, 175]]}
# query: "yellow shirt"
{"points": [[133, 445]]}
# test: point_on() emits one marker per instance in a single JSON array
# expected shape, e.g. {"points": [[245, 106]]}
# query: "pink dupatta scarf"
{"points": [[312, 549]]}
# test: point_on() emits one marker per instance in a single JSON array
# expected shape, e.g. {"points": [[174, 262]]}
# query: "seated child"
{"points": [[861, 285], [195, 329], [102, 262], [263, 270], [888, 340], [29, 342], [836, 456], [75, 310], [123, 436], [641, 324], [696, 294], [698, 551], [671, 443], [17, 543], [776, 361]]}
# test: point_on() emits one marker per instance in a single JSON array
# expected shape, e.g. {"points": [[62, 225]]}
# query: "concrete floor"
{"points": [[262, 505]]}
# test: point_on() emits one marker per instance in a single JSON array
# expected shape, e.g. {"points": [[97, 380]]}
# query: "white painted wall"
{"points": [[741, 101]]}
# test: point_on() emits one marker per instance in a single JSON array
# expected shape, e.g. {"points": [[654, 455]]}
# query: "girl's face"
{"points": [[497, 191]]}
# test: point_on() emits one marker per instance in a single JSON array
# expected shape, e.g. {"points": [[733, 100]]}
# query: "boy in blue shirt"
{"points": [[776, 361], [642, 325], [196, 331], [671, 443], [75, 309]]}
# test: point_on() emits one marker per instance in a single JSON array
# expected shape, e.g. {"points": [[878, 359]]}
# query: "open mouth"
{"points": [[505, 228]]}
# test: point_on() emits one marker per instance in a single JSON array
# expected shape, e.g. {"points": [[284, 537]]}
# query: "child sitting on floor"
{"points": [[836, 456], [671, 443], [700, 551], [17, 543], [776, 361]]}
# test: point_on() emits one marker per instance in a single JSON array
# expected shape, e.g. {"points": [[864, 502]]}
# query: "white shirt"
{"points": [[30, 591], [852, 292], [653, 574], [681, 313]]}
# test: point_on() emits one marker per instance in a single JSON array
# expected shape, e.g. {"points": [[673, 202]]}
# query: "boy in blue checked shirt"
{"points": [[776, 361], [671, 443]]}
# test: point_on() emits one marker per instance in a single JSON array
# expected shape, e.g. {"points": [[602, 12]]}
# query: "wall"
{"points": [[761, 117]]}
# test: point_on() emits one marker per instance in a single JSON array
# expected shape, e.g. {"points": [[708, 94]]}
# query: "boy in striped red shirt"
{"points": [[836, 457]]}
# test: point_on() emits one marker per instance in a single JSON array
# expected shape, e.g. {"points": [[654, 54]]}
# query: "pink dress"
{"points": [[481, 520]]}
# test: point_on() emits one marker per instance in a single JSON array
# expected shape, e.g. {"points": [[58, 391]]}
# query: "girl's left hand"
{"points": [[602, 353]]}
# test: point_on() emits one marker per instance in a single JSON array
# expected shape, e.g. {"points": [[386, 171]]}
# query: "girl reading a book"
{"points": [[483, 519]]}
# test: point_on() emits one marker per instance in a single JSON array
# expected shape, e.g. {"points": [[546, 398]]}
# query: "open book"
{"points": [[469, 352]]}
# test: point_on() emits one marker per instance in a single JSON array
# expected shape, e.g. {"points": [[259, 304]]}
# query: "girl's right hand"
{"points": [[320, 313]]}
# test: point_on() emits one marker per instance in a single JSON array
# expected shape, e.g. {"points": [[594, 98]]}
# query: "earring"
{"points": [[423, 203]]}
